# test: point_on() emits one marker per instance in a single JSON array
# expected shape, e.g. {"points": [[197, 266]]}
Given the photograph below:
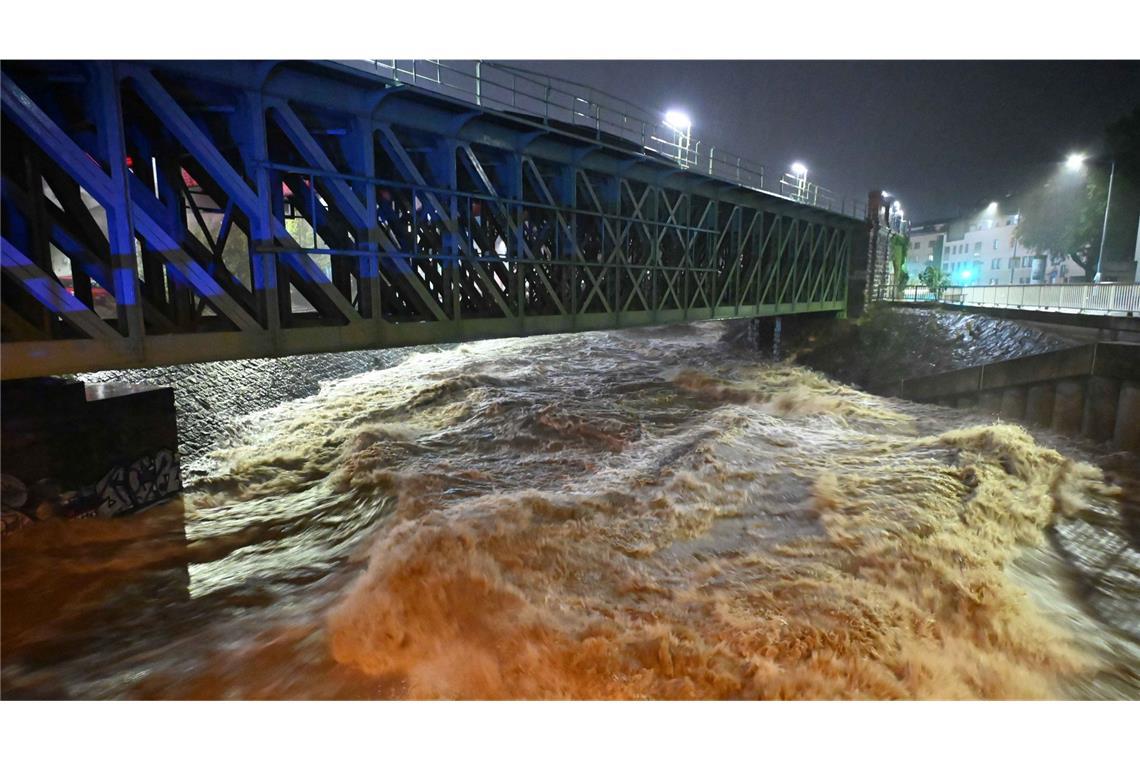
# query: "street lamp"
{"points": [[1074, 162], [799, 172], [682, 125]]}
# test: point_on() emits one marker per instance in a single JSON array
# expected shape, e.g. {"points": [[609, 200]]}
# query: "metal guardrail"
{"points": [[1109, 298], [556, 102]]}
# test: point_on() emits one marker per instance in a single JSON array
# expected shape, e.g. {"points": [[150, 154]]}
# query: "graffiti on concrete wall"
{"points": [[144, 481]]}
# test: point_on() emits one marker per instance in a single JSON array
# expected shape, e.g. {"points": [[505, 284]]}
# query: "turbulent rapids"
{"points": [[639, 514]]}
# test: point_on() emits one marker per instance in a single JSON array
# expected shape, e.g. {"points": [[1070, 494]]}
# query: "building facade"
{"points": [[985, 251], [981, 249], [926, 248]]}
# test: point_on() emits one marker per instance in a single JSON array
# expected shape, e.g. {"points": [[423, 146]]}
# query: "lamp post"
{"points": [[1075, 161], [799, 171], [992, 208], [1104, 227], [682, 126]]}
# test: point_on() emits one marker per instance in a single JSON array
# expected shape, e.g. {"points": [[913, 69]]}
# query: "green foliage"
{"points": [[1123, 138], [899, 247], [1062, 219], [935, 280], [902, 279], [1065, 218]]}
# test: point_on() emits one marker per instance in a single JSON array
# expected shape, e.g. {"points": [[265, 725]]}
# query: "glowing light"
{"points": [[1075, 161], [966, 274], [799, 169], [992, 207], [678, 120]]}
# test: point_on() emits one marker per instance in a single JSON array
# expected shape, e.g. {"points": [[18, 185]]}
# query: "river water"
{"points": [[650, 513]]}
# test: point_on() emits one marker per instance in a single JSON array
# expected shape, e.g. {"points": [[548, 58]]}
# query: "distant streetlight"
{"points": [[1074, 162]]}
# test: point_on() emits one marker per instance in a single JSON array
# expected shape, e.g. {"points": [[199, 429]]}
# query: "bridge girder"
{"points": [[170, 212]]}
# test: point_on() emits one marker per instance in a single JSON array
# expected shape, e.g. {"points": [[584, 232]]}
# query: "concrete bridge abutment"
{"points": [[71, 449]]}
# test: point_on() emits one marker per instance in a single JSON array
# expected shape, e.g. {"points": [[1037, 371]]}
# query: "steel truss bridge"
{"points": [[169, 212]]}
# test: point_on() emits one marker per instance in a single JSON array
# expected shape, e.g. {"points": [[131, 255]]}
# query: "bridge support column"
{"points": [[1013, 402], [765, 334], [1127, 433], [1100, 408], [1039, 405], [1068, 406], [990, 401]]}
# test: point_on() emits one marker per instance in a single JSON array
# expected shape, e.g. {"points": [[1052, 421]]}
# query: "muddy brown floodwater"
{"points": [[636, 514]]}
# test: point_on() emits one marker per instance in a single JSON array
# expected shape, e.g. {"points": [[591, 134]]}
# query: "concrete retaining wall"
{"points": [[1092, 391], [75, 450]]}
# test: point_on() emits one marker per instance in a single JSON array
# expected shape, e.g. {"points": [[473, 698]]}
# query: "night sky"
{"points": [[943, 136]]}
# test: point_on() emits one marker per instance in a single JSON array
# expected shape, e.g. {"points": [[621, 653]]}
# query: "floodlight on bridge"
{"points": [[682, 126], [799, 169], [1075, 161], [678, 120]]}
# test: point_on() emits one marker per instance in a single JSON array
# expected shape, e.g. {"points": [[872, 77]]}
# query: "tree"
{"points": [[1062, 219], [935, 280], [899, 247]]}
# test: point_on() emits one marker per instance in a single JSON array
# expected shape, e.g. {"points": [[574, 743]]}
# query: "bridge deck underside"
{"points": [[162, 213]]}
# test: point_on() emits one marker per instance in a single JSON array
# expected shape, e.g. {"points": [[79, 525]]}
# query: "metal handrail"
{"points": [[557, 101], [1108, 298]]}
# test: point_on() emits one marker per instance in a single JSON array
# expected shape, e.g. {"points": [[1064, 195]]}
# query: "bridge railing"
{"points": [[1110, 298], [558, 102]]}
